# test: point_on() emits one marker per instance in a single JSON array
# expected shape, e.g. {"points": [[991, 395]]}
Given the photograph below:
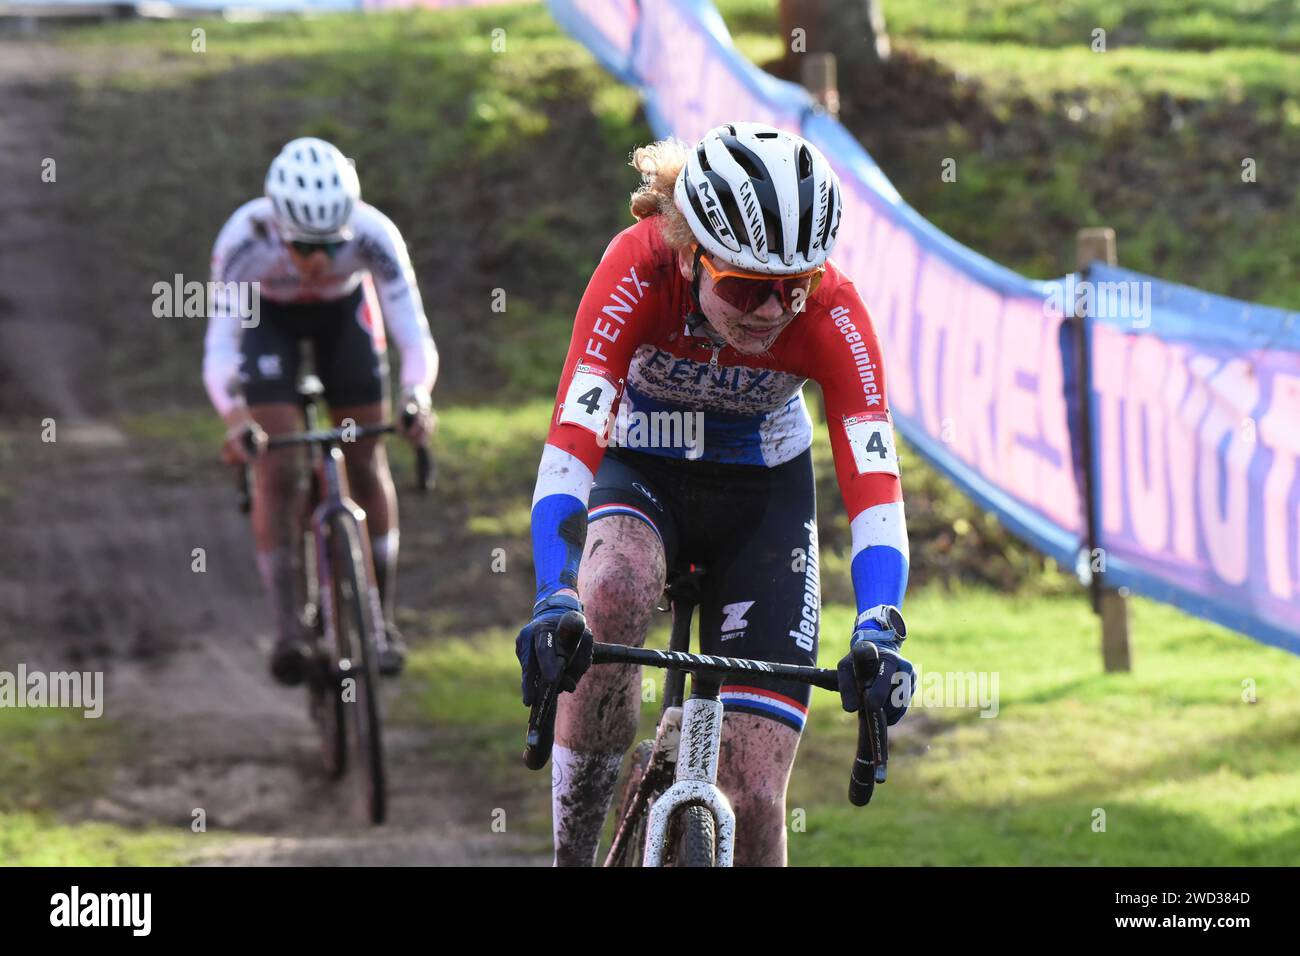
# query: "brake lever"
{"points": [[250, 443], [871, 763], [541, 728], [425, 469], [541, 718]]}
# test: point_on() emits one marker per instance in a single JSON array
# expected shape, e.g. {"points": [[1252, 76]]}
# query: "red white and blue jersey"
{"points": [[632, 352]]}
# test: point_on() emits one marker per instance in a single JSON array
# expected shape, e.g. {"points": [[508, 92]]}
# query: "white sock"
{"points": [[281, 574], [582, 788], [383, 547]]}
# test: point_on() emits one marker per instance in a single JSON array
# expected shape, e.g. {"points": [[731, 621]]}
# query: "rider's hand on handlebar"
{"points": [[416, 420], [540, 660], [245, 439], [893, 683]]}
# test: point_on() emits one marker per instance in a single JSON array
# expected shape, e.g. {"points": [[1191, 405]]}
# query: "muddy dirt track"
{"points": [[97, 574]]}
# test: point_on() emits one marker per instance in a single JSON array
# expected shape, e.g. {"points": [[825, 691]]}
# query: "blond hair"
{"points": [[659, 163]]}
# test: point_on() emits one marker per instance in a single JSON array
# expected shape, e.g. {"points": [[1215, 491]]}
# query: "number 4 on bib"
{"points": [[589, 400], [872, 439]]}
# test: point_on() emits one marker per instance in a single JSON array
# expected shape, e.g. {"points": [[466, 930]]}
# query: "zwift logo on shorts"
{"points": [[733, 619]]}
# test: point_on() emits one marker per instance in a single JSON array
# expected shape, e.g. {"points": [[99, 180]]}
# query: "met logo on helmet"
{"points": [[714, 211]]}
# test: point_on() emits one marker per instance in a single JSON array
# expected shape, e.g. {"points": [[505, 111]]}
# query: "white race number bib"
{"points": [[589, 400], [872, 439]]}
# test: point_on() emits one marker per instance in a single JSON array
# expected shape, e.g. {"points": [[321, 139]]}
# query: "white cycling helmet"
{"points": [[760, 199], [314, 189]]}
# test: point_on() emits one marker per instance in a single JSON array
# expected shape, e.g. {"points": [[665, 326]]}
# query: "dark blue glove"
{"points": [[891, 690], [539, 658]]}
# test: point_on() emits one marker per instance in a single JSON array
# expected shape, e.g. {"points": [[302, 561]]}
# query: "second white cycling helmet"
{"points": [[760, 199], [314, 190]]}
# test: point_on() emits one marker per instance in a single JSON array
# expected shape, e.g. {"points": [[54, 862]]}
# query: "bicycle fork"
{"points": [[697, 774]]}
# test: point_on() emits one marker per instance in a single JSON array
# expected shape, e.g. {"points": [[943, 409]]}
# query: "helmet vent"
{"points": [[746, 161], [703, 158], [805, 162]]}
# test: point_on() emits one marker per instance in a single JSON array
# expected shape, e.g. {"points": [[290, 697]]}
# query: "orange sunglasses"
{"points": [[748, 291]]}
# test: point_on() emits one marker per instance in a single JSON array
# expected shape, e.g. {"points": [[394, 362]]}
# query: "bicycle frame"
{"points": [[688, 739], [697, 776], [328, 498]]}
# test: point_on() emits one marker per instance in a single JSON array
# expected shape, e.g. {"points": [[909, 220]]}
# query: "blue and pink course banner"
{"points": [[1196, 407]]}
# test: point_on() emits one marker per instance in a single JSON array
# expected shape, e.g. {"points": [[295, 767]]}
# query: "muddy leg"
{"points": [[753, 771], [620, 580], [276, 530]]}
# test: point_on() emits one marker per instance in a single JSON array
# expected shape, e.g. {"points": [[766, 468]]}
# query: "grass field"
{"points": [[474, 154], [1185, 771], [52, 761]]}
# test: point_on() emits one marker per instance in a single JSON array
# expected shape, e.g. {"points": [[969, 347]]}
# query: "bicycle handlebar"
{"points": [[711, 664], [870, 764], [425, 465], [330, 436]]}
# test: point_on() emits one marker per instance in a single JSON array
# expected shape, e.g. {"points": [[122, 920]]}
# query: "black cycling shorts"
{"points": [[754, 531], [347, 341]]}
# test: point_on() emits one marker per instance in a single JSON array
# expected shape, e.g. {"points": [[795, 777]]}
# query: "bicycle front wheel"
{"points": [[696, 837], [324, 695], [329, 713], [356, 635]]}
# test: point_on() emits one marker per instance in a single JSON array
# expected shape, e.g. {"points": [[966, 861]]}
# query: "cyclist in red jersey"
{"points": [[701, 325]]}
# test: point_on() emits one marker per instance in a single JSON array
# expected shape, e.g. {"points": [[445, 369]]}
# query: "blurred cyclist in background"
{"points": [[721, 301], [326, 262]]}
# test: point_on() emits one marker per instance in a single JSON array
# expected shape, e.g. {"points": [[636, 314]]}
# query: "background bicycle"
{"points": [[343, 608]]}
